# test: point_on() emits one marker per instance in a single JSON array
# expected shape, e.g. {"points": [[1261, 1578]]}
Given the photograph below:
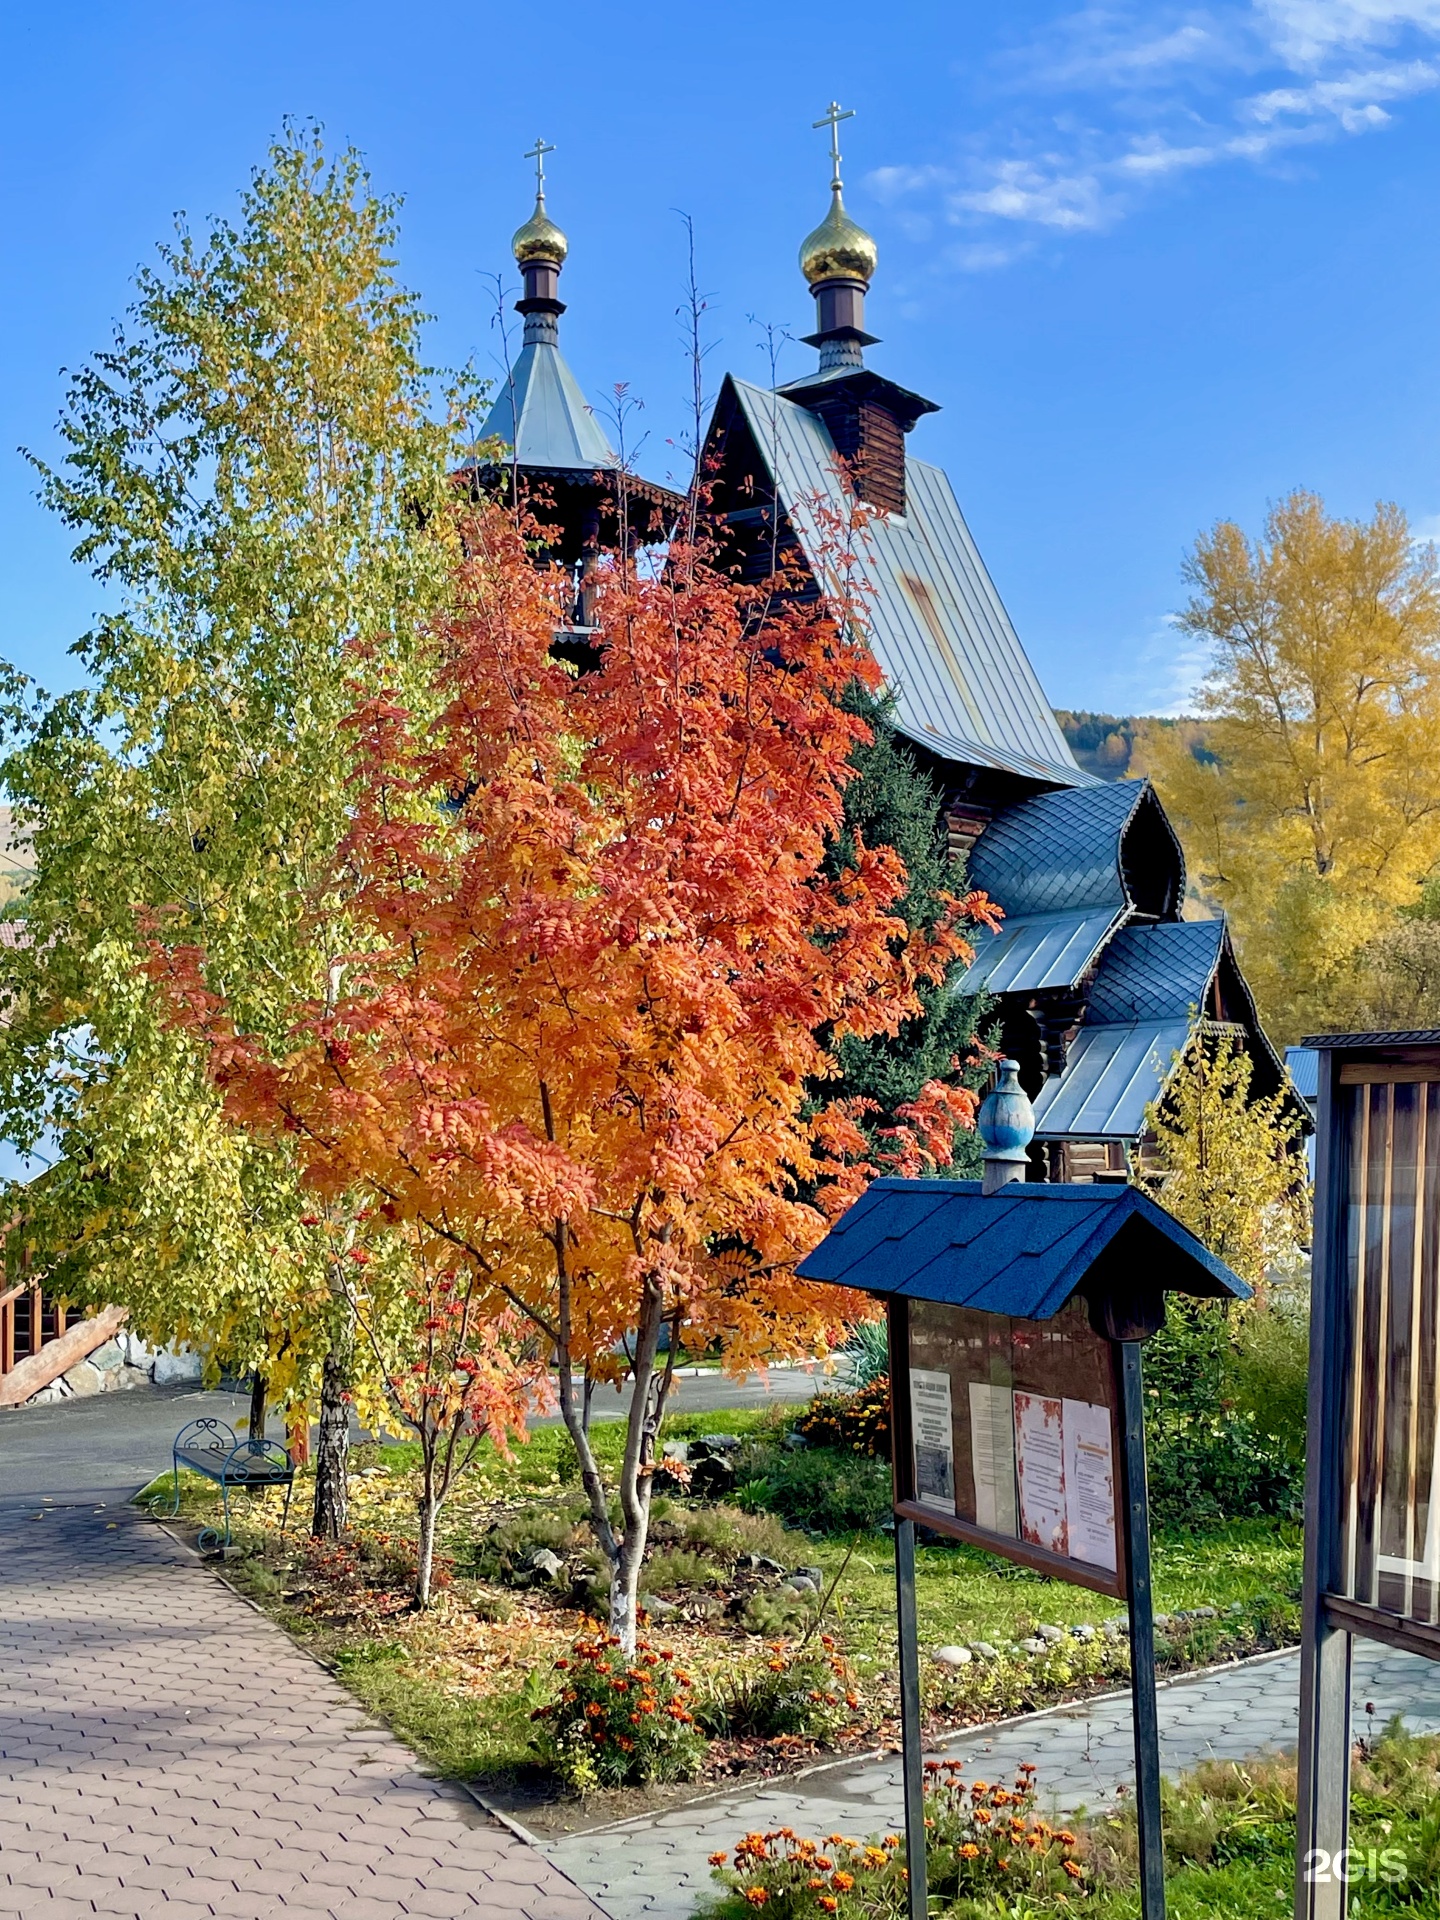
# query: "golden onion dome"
{"points": [[539, 238], [838, 249]]}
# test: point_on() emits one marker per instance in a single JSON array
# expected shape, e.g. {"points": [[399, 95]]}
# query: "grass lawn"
{"points": [[460, 1683]]}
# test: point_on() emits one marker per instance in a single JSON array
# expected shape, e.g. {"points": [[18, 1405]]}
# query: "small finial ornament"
{"points": [[839, 248], [539, 239], [1006, 1125]]}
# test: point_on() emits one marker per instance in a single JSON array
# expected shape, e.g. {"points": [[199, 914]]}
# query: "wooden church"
{"points": [[1096, 980]]}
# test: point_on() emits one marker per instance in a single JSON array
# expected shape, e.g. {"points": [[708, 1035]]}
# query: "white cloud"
{"points": [[1154, 96]]}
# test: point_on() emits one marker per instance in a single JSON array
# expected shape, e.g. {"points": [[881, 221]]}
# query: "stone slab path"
{"points": [[655, 1867], [166, 1751]]}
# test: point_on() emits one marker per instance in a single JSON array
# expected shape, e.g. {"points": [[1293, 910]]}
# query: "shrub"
{"points": [[619, 1722], [857, 1422], [819, 1488], [868, 1349], [502, 1552], [807, 1691], [984, 1842], [727, 1532], [1205, 1468], [674, 1569]]}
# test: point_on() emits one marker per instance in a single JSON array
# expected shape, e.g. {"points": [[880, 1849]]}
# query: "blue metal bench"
{"points": [[210, 1447]]}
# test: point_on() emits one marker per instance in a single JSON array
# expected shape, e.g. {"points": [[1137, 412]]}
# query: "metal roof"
{"points": [[1050, 950], [1408, 1037], [1303, 1066], [556, 428], [1151, 982], [939, 633], [1023, 1251], [1156, 973], [1057, 851], [1111, 1075]]}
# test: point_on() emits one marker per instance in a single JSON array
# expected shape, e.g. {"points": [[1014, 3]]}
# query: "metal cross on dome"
{"points": [[537, 153], [832, 118]]}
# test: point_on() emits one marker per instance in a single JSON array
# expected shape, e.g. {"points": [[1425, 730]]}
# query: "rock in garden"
{"points": [[951, 1656], [1163, 1622], [817, 1574], [1202, 1613], [657, 1608], [721, 1442], [1034, 1645], [545, 1564], [1115, 1628], [983, 1650], [84, 1379], [677, 1450], [796, 1442], [1052, 1635], [1084, 1631], [759, 1563], [801, 1583]]}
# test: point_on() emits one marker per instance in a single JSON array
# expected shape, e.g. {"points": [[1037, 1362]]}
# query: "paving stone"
{"points": [[167, 1754]]}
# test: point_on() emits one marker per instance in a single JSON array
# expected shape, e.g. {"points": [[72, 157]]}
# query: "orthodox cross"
{"points": [[832, 118], [537, 153]]}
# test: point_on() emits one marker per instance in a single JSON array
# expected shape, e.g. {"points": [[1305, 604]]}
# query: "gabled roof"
{"points": [[1023, 1251], [1151, 987], [541, 415], [1056, 864], [940, 635]]}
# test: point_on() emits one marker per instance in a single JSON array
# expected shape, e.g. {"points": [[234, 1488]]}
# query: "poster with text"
{"points": [[992, 1457], [1040, 1471], [1089, 1483], [934, 1439]]}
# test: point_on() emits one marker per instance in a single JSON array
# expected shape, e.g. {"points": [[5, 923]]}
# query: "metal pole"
{"points": [[1322, 1828], [1142, 1637], [911, 1748]]}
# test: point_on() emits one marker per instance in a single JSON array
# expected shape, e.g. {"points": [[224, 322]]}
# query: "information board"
{"points": [[1014, 1437]]}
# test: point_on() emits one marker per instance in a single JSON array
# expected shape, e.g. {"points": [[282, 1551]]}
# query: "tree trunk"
{"points": [[332, 1449], [425, 1558], [625, 1585], [257, 1405]]}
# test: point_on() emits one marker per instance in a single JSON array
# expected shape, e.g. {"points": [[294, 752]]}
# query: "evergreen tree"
{"points": [[893, 802]]}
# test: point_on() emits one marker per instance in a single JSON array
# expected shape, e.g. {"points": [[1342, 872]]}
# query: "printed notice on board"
{"points": [[1040, 1471], [1089, 1483], [934, 1439], [992, 1454]]}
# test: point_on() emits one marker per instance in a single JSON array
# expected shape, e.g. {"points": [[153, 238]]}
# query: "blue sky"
{"points": [[1158, 264]]}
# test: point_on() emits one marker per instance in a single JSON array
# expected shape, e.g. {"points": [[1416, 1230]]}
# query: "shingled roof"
{"points": [[1056, 863], [1023, 1251], [1152, 986]]}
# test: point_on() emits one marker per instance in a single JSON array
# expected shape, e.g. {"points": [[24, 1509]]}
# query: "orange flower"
{"points": [[1075, 1872], [718, 1859], [757, 1896], [969, 1851], [843, 1882], [827, 1903]]}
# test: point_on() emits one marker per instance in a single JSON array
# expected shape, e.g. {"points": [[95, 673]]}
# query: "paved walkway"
{"points": [[654, 1868], [166, 1751]]}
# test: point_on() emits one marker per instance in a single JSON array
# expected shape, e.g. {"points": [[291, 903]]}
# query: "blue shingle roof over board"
{"points": [[1156, 973], [1057, 851], [1023, 1251]]}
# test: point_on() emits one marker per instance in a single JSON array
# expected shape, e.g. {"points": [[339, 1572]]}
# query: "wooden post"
{"points": [[1323, 1801], [1142, 1635]]}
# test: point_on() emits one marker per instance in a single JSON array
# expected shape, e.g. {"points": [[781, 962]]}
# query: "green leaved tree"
{"points": [[253, 471]]}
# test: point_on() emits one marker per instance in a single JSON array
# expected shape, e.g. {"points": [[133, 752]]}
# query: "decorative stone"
{"points": [[83, 1379], [677, 1450], [801, 1583], [722, 1442], [760, 1563], [176, 1367], [1034, 1645], [545, 1564], [951, 1656], [657, 1608], [1115, 1628], [1052, 1635], [983, 1650], [108, 1358], [1084, 1631]]}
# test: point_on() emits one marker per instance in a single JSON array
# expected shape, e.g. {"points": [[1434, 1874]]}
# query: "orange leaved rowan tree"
{"points": [[604, 967]]}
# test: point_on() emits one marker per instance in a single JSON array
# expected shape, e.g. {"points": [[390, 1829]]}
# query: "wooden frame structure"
{"points": [[1372, 1487]]}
